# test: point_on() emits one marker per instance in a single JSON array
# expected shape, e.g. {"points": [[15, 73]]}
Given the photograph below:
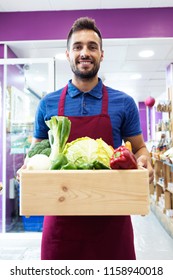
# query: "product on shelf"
{"points": [[167, 155], [164, 106]]}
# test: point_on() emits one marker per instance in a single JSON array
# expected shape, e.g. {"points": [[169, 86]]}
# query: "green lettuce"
{"points": [[87, 153]]}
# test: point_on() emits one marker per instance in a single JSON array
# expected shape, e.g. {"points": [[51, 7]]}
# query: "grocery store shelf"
{"points": [[166, 222]]}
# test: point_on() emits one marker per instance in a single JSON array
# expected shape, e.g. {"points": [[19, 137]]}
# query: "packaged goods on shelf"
{"points": [[164, 106], [169, 212], [161, 202], [170, 187]]}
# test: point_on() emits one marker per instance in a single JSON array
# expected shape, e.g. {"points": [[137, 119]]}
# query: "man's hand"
{"points": [[144, 162], [19, 171]]}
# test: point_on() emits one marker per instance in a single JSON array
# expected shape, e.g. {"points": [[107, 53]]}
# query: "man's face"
{"points": [[85, 54]]}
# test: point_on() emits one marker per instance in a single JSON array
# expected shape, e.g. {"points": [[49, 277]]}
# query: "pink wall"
{"points": [[114, 23], [1, 82], [143, 119]]}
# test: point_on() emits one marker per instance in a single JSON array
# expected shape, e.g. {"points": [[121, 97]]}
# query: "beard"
{"points": [[86, 74]]}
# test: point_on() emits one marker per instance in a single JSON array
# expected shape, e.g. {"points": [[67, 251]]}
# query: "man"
{"points": [[95, 111]]}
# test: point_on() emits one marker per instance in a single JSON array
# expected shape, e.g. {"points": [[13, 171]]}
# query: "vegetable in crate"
{"points": [[58, 135], [38, 156], [59, 162], [82, 153], [38, 162], [87, 153], [123, 158], [42, 147]]}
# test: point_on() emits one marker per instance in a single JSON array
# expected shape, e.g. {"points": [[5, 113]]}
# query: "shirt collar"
{"points": [[95, 92]]}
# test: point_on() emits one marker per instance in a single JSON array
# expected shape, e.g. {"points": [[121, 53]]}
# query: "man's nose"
{"points": [[84, 52]]}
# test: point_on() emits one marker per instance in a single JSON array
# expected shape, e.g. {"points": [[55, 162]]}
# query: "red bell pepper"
{"points": [[122, 158]]}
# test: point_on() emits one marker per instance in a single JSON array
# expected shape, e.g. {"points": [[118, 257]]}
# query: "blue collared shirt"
{"points": [[122, 110]]}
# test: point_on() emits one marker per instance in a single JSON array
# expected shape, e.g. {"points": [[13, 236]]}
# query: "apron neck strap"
{"points": [[61, 104], [105, 101], [62, 101]]}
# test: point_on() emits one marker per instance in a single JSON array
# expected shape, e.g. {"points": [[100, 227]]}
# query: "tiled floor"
{"points": [[20, 246], [151, 241]]}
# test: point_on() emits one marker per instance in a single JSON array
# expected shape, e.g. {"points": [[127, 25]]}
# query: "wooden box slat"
{"points": [[84, 192]]}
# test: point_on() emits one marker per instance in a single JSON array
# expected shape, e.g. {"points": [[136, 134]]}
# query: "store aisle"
{"points": [[20, 246], [151, 240]]}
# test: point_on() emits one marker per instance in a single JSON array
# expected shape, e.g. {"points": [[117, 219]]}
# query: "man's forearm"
{"points": [[143, 152]]}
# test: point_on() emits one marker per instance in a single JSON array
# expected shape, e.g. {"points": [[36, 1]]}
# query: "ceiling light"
{"points": [[60, 56], [146, 53], [135, 76]]}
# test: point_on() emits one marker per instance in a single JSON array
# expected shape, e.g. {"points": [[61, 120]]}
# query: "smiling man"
{"points": [[96, 111], [84, 54]]}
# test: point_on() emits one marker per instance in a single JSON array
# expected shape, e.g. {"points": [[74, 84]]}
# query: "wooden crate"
{"points": [[84, 192]]}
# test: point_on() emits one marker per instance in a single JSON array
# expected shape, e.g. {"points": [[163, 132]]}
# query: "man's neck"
{"points": [[85, 85]]}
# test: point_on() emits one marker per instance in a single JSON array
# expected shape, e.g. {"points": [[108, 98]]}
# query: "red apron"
{"points": [[88, 237]]}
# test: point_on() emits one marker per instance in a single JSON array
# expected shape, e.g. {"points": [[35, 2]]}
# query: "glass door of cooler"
{"points": [[25, 82]]}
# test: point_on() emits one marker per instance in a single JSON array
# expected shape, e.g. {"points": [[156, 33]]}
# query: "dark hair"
{"points": [[82, 24]]}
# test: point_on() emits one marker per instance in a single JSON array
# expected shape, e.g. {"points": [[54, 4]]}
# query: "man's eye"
{"points": [[93, 47], [77, 48]]}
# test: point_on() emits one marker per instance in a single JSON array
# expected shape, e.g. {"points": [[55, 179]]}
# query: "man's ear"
{"points": [[102, 56], [67, 55]]}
